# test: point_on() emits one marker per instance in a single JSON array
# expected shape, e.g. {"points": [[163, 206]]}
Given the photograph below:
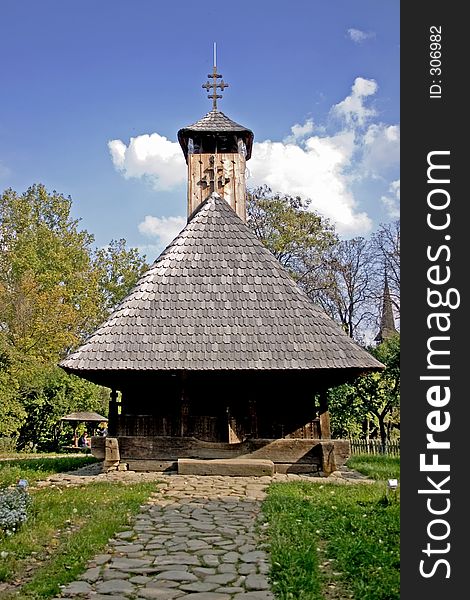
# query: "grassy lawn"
{"points": [[66, 528], [376, 466], [34, 469], [330, 541], [327, 541]]}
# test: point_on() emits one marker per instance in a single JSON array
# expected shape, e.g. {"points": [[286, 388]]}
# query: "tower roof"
{"points": [[215, 121], [217, 299], [387, 321]]}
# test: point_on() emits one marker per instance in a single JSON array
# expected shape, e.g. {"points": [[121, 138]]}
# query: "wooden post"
{"points": [[112, 455], [325, 432], [232, 428], [328, 463], [253, 418], [184, 407], [113, 414]]}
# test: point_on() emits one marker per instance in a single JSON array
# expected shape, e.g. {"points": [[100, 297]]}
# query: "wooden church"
{"points": [[217, 353]]}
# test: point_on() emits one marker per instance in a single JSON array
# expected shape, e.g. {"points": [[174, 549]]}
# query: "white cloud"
{"points": [[316, 171], [392, 202], [165, 229], [310, 162], [353, 109], [299, 131], [381, 149], [358, 36], [152, 156]]}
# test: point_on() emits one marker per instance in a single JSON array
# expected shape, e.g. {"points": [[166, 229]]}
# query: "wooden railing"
{"points": [[202, 427], [374, 447], [207, 428]]}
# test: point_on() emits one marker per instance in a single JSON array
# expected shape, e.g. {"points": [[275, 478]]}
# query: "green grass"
{"points": [[333, 541], [326, 541], [68, 526], [34, 469], [376, 466]]}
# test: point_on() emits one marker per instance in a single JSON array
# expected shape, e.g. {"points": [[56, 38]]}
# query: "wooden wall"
{"points": [[289, 455], [221, 173]]}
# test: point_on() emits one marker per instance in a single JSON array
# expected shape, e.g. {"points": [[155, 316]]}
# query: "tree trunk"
{"points": [[383, 434]]}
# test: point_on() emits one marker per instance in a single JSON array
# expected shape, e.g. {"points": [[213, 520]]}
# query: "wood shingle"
{"points": [[217, 299]]}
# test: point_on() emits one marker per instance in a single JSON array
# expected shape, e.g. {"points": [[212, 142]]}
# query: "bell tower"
{"points": [[216, 150], [387, 321]]}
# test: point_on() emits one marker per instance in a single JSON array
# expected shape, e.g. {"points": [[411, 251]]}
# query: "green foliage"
{"points": [[55, 288], [346, 412], [380, 392], [15, 503], [373, 396], [50, 395], [12, 411], [295, 235], [119, 269], [48, 286]]}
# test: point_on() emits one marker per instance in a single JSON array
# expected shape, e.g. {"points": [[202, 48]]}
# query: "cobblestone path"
{"points": [[196, 539]]}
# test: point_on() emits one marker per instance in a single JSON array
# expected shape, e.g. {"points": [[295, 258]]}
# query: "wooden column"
{"points": [[253, 416], [325, 432], [184, 407], [232, 428], [113, 414]]}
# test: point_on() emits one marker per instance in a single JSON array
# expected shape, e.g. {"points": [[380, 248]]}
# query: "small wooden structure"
{"points": [[90, 419], [217, 353]]}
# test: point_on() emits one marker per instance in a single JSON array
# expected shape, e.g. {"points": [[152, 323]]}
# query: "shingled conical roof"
{"points": [[215, 121], [217, 299]]}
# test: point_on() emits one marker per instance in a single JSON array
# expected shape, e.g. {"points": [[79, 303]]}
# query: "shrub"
{"points": [[14, 508], [7, 445]]}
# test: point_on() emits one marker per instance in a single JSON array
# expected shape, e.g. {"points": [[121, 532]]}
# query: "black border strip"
{"points": [[434, 119]]}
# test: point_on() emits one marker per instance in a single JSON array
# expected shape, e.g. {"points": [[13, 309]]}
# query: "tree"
{"points": [[49, 395], [372, 397], [297, 236], [345, 286], [55, 288], [49, 295], [386, 246], [340, 276], [119, 269], [346, 412], [380, 392]]}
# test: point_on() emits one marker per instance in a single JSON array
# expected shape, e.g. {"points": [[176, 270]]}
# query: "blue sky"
{"points": [[94, 93]]}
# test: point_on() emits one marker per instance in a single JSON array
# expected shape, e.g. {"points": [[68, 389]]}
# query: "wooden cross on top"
{"points": [[215, 84]]}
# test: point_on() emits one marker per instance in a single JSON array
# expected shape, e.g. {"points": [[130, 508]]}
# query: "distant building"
{"points": [[387, 321]]}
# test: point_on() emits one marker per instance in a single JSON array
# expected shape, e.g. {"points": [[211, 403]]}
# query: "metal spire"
{"points": [[215, 84]]}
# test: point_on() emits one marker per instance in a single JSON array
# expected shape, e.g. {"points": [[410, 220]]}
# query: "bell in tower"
{"points": [[216, 150]]}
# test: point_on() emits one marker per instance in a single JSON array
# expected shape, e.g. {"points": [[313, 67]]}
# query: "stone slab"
{"points": [[151, 465], [234, 467], [297, 468]]}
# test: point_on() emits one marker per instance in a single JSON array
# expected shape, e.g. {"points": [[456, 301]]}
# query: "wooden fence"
{"points": [[374, 447]]}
